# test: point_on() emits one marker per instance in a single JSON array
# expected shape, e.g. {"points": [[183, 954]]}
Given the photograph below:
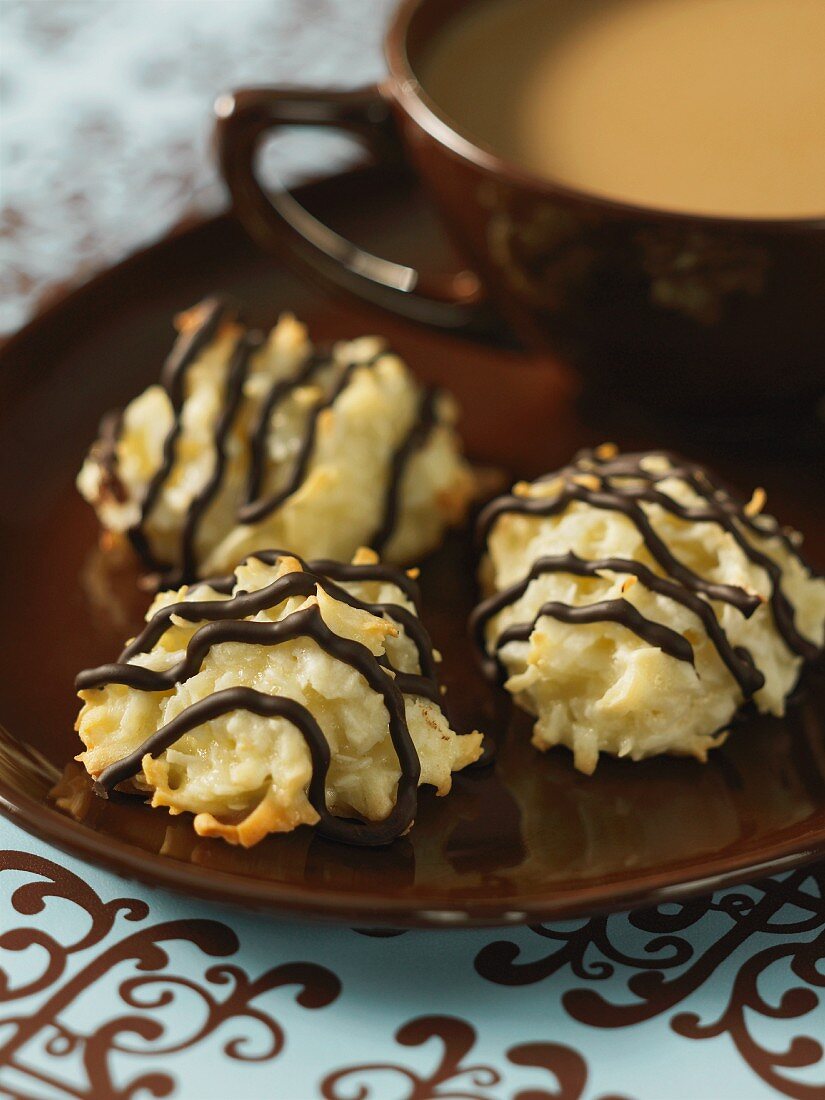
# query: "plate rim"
{"points": [[289, 901], [433, 912]]}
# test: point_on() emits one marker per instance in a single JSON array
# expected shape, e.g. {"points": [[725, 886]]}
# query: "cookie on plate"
{"points": [[636, 605], [253, 440], [285, 694]]}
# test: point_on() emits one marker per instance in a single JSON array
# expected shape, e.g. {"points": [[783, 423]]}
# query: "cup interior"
{"points": [[417, 26]]}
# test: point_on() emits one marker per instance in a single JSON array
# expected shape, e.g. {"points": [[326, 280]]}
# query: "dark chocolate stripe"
{"points": [[304, 583], [324, 572], [249, 343], [260, 509], [737, 660], [228, 620], [187, 349], [411, 683], [348, 830], [617, 502], [104, 453], [214, 632], [338, 571], [306, 623], [412, 625], [415, 439], [783, 612], [721, 508], [342, 571], [278, 392], [718, 506], [723, 497], [613, 611]]}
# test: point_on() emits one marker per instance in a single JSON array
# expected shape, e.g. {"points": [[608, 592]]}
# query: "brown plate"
{"points": [[527, 840]]}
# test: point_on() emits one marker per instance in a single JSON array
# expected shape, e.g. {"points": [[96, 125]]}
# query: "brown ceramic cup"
{"points": [[671, 308]]}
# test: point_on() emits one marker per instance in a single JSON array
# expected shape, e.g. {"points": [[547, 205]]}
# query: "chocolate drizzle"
{"points": [[105, 454], [347, 830], [737, 659], [415, 439], [255, 506], [259, 509], [238, 370], [227, 620], [188, 348], [278, 392], [622, 484], [607, 611]]}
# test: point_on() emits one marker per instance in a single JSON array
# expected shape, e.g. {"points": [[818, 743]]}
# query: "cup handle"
{"points": [[244, 116]]}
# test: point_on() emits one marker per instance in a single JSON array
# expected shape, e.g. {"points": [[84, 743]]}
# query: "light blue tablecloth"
{"points": [[110, 989]]}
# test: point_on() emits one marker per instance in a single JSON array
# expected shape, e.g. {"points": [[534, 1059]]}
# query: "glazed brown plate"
{"points": [[527, 840]]}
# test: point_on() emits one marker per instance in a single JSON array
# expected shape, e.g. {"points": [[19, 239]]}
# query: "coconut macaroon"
{"points": [[637, 605], [252, 440], [286, 694]]}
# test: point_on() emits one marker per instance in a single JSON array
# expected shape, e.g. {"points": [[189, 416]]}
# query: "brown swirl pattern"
{"points": [[456, 1076], [670, 969], [226, 993], [434, 1057]]}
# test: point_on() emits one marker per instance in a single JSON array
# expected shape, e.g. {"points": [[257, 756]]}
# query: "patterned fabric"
{"points": [[107, 114], [108, 988]]}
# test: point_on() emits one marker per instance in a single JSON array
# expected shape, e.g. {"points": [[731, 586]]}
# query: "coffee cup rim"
{"points": [[403, 85]]}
